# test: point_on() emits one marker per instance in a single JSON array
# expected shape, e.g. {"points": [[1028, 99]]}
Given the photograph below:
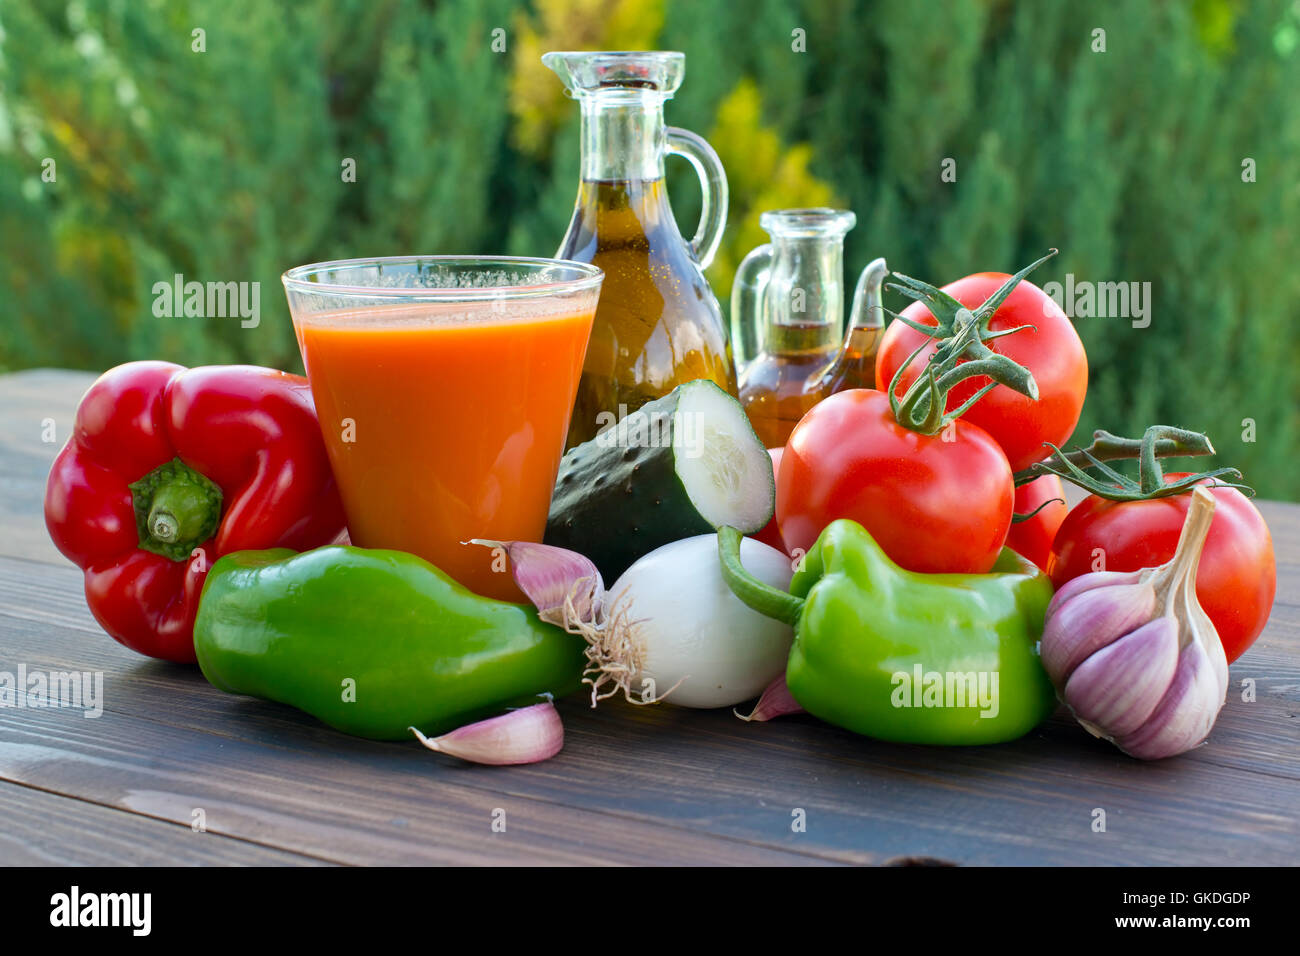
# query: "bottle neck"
{"points": [[805, 289], [623, 134]]}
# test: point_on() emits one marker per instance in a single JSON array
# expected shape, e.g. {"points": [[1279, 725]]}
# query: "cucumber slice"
{"points": [[682, 465]]}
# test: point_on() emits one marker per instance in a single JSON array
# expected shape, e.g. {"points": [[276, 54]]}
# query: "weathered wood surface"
{"points": [[633, 785]]}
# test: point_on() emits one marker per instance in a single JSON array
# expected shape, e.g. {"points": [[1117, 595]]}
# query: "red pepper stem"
{"points": [[176, 509], [763, 598], [178, 513]]}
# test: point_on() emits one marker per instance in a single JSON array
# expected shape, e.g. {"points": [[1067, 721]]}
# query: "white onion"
{"points": [[672, 619]]}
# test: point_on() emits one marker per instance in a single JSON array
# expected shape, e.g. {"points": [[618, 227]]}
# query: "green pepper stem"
{"points": [[763, 598], [178, 512]]}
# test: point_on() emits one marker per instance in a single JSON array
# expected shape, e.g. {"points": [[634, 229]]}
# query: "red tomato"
{"points": [[1237, 575], [932, 505], [771, 533], [1051, 350], [1033, 538]]}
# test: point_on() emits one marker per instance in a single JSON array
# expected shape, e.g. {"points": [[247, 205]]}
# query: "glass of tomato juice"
{"points": [[444, 387]]}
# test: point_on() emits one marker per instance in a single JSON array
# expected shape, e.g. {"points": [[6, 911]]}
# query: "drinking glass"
{"points": [[444, 387]]}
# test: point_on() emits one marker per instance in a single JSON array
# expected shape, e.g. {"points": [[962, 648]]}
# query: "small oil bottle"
{"points": [[855, 365], [787, 320]]}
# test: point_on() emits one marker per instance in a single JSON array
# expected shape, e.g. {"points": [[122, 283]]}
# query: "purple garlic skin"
{"points": [[777, 701], [1120, 686], [1184, 715], [564, 586], [1086, 582], [1134, 656], [525, 735], [1089, 621]]}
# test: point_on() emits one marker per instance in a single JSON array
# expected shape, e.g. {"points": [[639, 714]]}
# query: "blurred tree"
{"points": [[209, 154], [1126, 150], [430, 131], [537, 99], [763, 174]]}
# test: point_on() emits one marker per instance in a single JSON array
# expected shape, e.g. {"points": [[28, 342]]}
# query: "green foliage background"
{"points": [[225, 164]]}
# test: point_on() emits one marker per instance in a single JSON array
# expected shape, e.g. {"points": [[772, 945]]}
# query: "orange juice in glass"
{"points": [[444, 387]]}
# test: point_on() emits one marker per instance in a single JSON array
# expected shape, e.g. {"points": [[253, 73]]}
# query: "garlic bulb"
{"points": [[1133, 655]]}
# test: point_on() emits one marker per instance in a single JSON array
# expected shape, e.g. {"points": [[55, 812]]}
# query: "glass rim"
{"points": [[656, 55], [603, 73], [809, 214], [808, 221], [585, 277]]}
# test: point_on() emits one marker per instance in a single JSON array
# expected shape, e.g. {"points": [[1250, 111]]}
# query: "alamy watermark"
{"points": [[74, 908], [922, 688], [208, 300], [656, 429], [1102, 300], [83, 690]]}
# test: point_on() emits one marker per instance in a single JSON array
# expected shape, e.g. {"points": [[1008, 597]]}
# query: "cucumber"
{"points": [[679, 466]]}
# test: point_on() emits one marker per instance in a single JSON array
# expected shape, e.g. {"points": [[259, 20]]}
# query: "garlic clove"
{"points": [[777, 701], [1119, 686], [1086, 582], [1186, 713], [563, 585], [526, 735], [1091, 620]]}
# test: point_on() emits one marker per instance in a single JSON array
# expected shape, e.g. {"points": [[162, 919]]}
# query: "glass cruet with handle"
{"points": [[658, 323], [787, 319]]}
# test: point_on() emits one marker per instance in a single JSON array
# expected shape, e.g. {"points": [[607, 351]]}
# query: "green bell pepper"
{"points": [[902, 656], [373, 642]]}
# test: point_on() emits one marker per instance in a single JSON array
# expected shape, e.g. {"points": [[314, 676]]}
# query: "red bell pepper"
{"points": [[170, 468]]}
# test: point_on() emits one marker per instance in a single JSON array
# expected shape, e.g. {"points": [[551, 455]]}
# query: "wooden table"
{"points": [[640, 785]]}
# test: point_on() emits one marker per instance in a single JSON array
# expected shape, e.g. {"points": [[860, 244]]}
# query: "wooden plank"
{"points": [[1283, 521], [328, 802], [44, 829], [866, 801]]}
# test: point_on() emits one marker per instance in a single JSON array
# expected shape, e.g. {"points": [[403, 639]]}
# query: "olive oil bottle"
{"points": [[658, 323]]}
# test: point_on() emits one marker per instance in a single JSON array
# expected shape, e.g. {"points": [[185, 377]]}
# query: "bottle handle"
{"points": [[868, 311], [713, 188], [748, 303]]}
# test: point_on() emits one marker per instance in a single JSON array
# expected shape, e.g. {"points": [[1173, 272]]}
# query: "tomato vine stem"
{"points": [[1156, 443], [960, 354]]}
